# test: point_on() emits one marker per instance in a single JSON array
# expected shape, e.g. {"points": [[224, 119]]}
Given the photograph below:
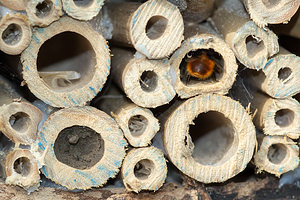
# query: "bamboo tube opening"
{"points": [[277, 153], [137, 125], [20, 121], [79, 146], [207, 63], [284, 117], [148, 81], [143, 169], [22, 166], [83, 3], [284, 73], [156, 26], [72, 55], [44, 8], [12, 35], [213, 137], [271, 3], [254, 46]]}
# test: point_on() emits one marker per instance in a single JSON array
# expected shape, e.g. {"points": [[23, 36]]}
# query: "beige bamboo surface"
{"points": [[198, 10], [14, 4]]}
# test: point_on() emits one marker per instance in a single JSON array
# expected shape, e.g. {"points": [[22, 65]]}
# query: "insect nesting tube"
{"points": [[85, 147], [203, 137]]}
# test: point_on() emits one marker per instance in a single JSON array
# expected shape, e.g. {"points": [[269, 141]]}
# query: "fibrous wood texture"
{"points": [[14, 4]]}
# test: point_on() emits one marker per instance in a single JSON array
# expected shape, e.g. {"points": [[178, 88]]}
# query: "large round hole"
{"points": [[254, 46], [22, 166], [79, 146], [271, 3], [277, 153], [284, 73], [12, 35], [20, 121], [43, 8], [213, 136], [284, 117], [148, 81], [66, 61], [156, 27], [83, 3], [137, 124], [143, 169], [202, 65]]}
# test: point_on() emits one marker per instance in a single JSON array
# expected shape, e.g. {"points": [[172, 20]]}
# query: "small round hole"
{"points": [[22, 166], [12, 34], [43, 8], [254, 46], [284, 117], [148, 81], [20, 121], [284, 73], [79, 146], [137, 124], [271, 3], [277, 153], [156, 27], [143, 169], [83, 3]]}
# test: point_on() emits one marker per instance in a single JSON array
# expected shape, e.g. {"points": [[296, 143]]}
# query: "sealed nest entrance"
{"points": [[79, 146], [156, 27], [213, 136], [66, 61], [43, 8], [12, 35], [143, 169], [20, 121], [254, 46], [137, 125], [83, 3], [277, 153], [284, 117], [284, 73], [202, 65], [22, 166]]}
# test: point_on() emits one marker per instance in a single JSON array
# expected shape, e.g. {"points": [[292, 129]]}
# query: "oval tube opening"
{"points": [[137, 125], [254, 46], [143, 169], [284, 117], [20, 121], [277, 153], [22, 166], [148, 81], [12, 35], [43, 9], [156, 26]]}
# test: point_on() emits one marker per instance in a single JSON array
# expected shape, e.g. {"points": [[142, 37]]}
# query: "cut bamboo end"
{"points": [[22, 170], [154, 28], [82, 10], [280, 117], [198, 10], [144, 169], [66, 64], [218, 146], [85, 147], [15, 33], [277, 155], [251, 45], [14, 4], [146, 82], [282, 76], [264, 12], [204, 45], [43, 12]]}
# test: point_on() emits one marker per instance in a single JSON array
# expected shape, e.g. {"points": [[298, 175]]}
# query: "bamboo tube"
{"points": [[66, 64], [252, 45], [85, 147], [201, 42], [82, 10], [43, 12], [19, 119], [22, 170], [264, 12], [138, 124], [198, 10], [15, 31], [154, 28], [290, 29], [144, 169], [147, 83], [277, 155], [218, 146], [14, 4]]}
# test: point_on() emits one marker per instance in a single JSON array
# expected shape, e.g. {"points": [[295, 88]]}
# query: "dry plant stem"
{"points": [[154, 28], [138, 124], [82, 10], [277, 116], [14, 4], [203, 38], [277, 155], [198, 10], [264, 12], [291, 29], [73, 59], [85, 147], [144, 169], [15, 31], [145, 82], [19, 119], [252, 45], [43, 12], [205, 139]]}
